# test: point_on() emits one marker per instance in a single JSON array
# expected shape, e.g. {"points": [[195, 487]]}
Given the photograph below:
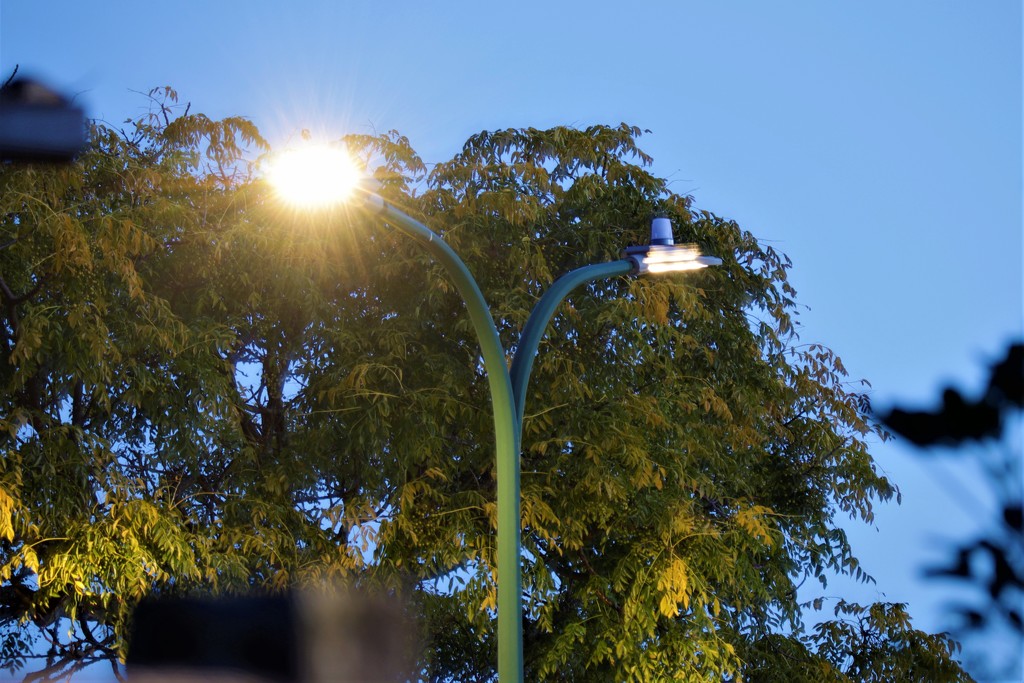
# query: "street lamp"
{"points": [[507, 383]]}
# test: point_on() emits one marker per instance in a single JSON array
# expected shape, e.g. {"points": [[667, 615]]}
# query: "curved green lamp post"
{"points": [[507, 383], [508, 386]]}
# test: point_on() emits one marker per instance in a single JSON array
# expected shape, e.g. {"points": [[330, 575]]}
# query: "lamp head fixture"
{"points": [[663, 255], [314, 176]]}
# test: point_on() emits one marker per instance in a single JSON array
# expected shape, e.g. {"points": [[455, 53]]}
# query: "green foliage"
{"points": [[204, 392], [876, 643]]}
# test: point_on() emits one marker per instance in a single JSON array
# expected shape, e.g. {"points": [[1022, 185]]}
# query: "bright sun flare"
{"points": [[314, 176]]}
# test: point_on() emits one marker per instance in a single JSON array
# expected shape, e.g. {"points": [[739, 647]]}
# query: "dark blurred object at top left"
{"points": [[38, 124]]}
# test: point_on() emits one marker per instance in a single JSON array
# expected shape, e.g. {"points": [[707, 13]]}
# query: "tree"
{"points": [[206, 393], [992, 565]]}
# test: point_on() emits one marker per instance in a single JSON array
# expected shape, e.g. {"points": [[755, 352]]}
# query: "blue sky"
{"points": [[878, 144]]}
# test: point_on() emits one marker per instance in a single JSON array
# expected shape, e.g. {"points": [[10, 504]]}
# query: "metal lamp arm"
{"points": [[506, 434], [543, 311]]}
